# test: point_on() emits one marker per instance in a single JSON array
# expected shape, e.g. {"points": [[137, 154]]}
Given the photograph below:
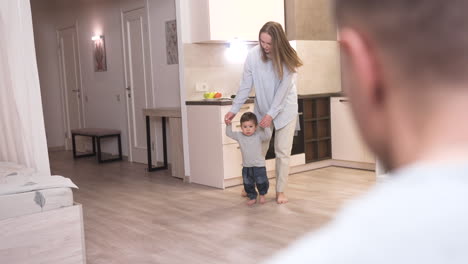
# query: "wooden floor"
{"points": [[132, 216]]}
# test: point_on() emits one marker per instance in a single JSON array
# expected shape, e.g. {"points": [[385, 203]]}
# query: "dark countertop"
{"points": [[251, 100], [307, 96], [215, 102]]}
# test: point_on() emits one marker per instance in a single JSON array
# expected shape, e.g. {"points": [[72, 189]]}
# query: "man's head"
{"points": [[401, 58]]}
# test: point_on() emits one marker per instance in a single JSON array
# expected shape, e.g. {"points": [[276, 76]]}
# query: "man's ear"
{"points": [[368, 90], [362, 59]]}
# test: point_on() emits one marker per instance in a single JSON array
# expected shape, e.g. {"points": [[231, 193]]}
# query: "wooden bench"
{"points": [[96, 134]]}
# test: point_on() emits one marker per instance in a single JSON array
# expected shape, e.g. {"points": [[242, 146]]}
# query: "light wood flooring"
{"points": [[131, 216]]}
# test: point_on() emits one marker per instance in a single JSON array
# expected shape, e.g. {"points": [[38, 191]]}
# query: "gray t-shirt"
{"points": [[251, 146]]}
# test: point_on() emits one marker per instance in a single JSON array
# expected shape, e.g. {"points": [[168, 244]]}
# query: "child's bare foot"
{"points": [[281, 198], [251, 202], [262, 199], [243, 193]]}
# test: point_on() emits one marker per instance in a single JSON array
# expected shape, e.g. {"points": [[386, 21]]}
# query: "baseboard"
{"points": [[354, 165], [296, 160], [233, 182], [54, 149], [107, 154], [311, 166], [308, 167]]}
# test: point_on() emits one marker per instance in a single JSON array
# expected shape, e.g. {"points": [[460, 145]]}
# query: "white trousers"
{"points": [[283, 145]]}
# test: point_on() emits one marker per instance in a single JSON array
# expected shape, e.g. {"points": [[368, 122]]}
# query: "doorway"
{"points": [[70, 82], [138, 80]]}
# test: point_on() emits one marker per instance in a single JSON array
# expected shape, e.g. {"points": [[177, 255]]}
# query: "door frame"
{"points": [[63, 94], [141, 4]]}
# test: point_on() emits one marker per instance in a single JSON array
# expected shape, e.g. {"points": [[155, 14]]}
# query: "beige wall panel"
{"points": [[321, 72]]}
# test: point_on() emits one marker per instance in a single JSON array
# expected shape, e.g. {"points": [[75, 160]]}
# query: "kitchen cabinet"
{"points": [[315, 123], [224, 20], [347, 144], [214, 157]]}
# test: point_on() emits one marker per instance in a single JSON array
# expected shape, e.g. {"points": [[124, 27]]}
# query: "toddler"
{"points": [[253, 162]]}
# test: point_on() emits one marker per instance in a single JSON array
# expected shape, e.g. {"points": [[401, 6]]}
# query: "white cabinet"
{"points": [[224, 20], [214, 158], [347, 144]]}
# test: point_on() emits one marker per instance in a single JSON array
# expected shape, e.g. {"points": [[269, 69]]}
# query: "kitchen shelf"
{"points": [[317, 139], [316, 125], [317, 119]]}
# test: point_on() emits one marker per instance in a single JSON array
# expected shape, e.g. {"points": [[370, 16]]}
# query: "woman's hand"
{"points": [[266, 121], [228, 118]]}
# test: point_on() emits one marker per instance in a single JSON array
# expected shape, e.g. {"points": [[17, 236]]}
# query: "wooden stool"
{"points": [[96, 134]]}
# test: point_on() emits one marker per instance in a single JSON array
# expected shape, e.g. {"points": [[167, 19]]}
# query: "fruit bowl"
{"points": [[212, 95], [218, 99]]}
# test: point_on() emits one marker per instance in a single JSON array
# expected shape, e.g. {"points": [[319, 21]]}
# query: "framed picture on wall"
{"points": [[171, 42], [99, 54]]}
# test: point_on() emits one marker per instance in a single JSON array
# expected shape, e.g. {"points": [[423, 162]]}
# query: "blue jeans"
{"points": [[255, 176]]}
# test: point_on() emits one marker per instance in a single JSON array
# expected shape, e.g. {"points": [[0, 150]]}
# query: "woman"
{"points": [[271, 68]]}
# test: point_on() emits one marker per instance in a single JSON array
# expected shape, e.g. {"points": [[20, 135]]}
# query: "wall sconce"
{"points": [[97, 37], [99, 53]]}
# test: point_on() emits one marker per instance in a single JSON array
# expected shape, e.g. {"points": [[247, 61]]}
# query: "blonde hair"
{"points": [[282, 52]]}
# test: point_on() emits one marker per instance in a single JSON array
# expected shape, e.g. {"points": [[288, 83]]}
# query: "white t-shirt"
{"points": [[420, 215]]}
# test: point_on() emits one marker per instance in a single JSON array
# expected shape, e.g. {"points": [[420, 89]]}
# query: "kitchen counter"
{"points": [[216, 102], [307, 96], [251, 100]]}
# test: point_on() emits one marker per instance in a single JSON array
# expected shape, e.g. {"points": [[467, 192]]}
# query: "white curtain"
{"points": [[11, 139], [22, 132]]}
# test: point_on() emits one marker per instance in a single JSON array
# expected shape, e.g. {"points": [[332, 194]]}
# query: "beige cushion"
{"points": [[99, 132]]}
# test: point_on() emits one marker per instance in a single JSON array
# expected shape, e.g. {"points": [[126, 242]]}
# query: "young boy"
{"points": [[250, 142]]}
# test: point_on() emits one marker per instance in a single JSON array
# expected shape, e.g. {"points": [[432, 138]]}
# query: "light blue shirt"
{"points": [[419, 215], [275, 97]]}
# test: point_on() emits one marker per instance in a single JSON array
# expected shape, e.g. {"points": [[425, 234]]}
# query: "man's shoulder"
{"points": [[412, 215]]}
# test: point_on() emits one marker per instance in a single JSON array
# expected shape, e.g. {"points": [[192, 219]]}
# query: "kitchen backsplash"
{"points": [[207, 63]]}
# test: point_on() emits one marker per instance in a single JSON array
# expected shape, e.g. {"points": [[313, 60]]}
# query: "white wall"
{"points": [[166, 77], [48, 72], [101, 89]]}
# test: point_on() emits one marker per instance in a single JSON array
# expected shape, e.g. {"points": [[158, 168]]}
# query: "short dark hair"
{"points": [[249, 116], [426, 38]]}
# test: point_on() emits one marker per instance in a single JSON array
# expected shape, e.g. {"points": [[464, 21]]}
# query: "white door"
{"points": [[70, 81], [138, 80]]}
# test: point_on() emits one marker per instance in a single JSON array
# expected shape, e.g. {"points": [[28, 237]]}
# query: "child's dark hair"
{"points": [[249, 116]]}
